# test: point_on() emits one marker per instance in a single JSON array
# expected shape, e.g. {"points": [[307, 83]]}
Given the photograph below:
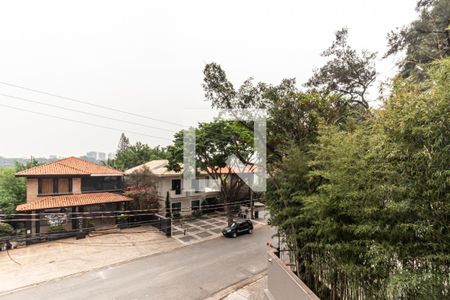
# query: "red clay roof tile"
{"points": [[71, 200], [69, 166]]}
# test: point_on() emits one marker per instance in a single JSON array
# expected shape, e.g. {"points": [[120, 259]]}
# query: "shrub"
{"points": [[122, 219], [197, 213], [6, 229]]}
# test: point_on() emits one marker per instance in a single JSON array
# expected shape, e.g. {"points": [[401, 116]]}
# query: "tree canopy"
{"points": [[129, 155], [425, 39], [347, 73], [366, 208], [215, 143]]}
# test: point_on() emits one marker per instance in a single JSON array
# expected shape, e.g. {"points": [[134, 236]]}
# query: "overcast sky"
{"points": [[147, 57]]}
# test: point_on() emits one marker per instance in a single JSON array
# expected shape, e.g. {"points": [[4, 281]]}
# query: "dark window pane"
{"points": [[108, 183], [176, 186]]}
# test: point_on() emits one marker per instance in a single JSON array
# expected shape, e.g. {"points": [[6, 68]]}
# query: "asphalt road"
{"points": [[192, 272]]}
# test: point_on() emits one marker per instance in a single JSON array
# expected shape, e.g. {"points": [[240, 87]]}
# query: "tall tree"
{"points": [[134, 155], [348, 72], [425, 39], [366, 208], [215, 143], [124, 143]]}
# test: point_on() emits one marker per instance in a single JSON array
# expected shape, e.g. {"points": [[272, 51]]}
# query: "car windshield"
{"points": [[234, 224]]}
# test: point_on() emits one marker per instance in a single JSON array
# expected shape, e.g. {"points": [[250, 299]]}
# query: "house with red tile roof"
{"points": [[67, 187]]}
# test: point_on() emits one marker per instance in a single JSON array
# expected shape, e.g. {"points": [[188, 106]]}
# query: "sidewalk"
{"points": [[253, 291], [42, 262]]}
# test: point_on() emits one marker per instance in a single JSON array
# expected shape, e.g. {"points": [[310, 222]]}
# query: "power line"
{"points": [[84, 112], [88, 103], [82, 122]]}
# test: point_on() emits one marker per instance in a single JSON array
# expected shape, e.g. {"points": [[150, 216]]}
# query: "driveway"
{"points": [[46, 261], [194, 272], [204, 228]]}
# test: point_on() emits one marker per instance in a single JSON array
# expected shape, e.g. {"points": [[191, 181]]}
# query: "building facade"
{"points": [[59, 193], [182, 201]]}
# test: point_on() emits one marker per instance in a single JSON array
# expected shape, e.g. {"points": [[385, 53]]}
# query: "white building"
{"points": [[182, 201]]}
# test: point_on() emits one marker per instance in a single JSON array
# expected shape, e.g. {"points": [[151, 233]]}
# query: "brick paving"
{"points": [[206, 227], [197, 230]]}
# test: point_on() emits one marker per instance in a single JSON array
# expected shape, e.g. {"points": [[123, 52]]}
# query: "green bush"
{"points": [[56, 228], [90, 224], [6, 229], [122, 219], [176, 215], [197, 213]]}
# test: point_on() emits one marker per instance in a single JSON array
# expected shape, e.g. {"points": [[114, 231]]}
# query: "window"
{"points": [[46, 186], [63, 186], [195, 204], [176, 207], [51, 186], [176, 186], [107, 183]]}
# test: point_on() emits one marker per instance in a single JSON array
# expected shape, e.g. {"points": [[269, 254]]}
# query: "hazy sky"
{"points": [[147, 57]]}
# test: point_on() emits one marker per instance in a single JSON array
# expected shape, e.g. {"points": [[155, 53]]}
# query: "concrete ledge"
{"points": [[228, 290], [283, 284]]}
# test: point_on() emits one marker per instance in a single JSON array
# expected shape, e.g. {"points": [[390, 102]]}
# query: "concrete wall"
{"points": [[283, 284]]}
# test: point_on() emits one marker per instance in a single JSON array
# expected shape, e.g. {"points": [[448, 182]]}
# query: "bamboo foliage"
{"points": [[368, 205]]}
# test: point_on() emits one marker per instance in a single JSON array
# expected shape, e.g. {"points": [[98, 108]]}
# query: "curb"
{"points": [[234, 287]]}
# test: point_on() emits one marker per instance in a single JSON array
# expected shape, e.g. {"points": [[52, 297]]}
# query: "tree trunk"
{"points": [[226, 203]]}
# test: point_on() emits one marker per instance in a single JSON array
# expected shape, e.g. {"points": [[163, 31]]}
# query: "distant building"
{"points": [[92, 155], [101, 156], [111, 155]]}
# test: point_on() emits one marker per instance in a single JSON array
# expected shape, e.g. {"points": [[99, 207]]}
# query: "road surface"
{"points": [[192, 272]]}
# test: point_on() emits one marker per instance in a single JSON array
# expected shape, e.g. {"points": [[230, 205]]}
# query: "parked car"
{"points": [[238, 227]]}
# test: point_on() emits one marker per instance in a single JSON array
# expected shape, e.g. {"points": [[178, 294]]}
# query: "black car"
{"points": [[238, 227]]}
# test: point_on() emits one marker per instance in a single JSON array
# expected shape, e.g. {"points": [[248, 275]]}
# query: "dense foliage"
{"points": [[6, 229], [142, 186], [425, 39], [13, 189], [366, 209], [215, 143], [129, 156]]}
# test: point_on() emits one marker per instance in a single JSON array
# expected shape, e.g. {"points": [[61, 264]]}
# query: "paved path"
{"points": [[192, 272]]}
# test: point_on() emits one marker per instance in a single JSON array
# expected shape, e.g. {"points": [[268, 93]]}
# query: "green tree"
{"points": [[347, 73], [13, 189], [215, 143], [124, 143], [366, 208], [293, 115], [6, 229], [142, 187], [129, 156], [167, 204], [425, 39]]}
